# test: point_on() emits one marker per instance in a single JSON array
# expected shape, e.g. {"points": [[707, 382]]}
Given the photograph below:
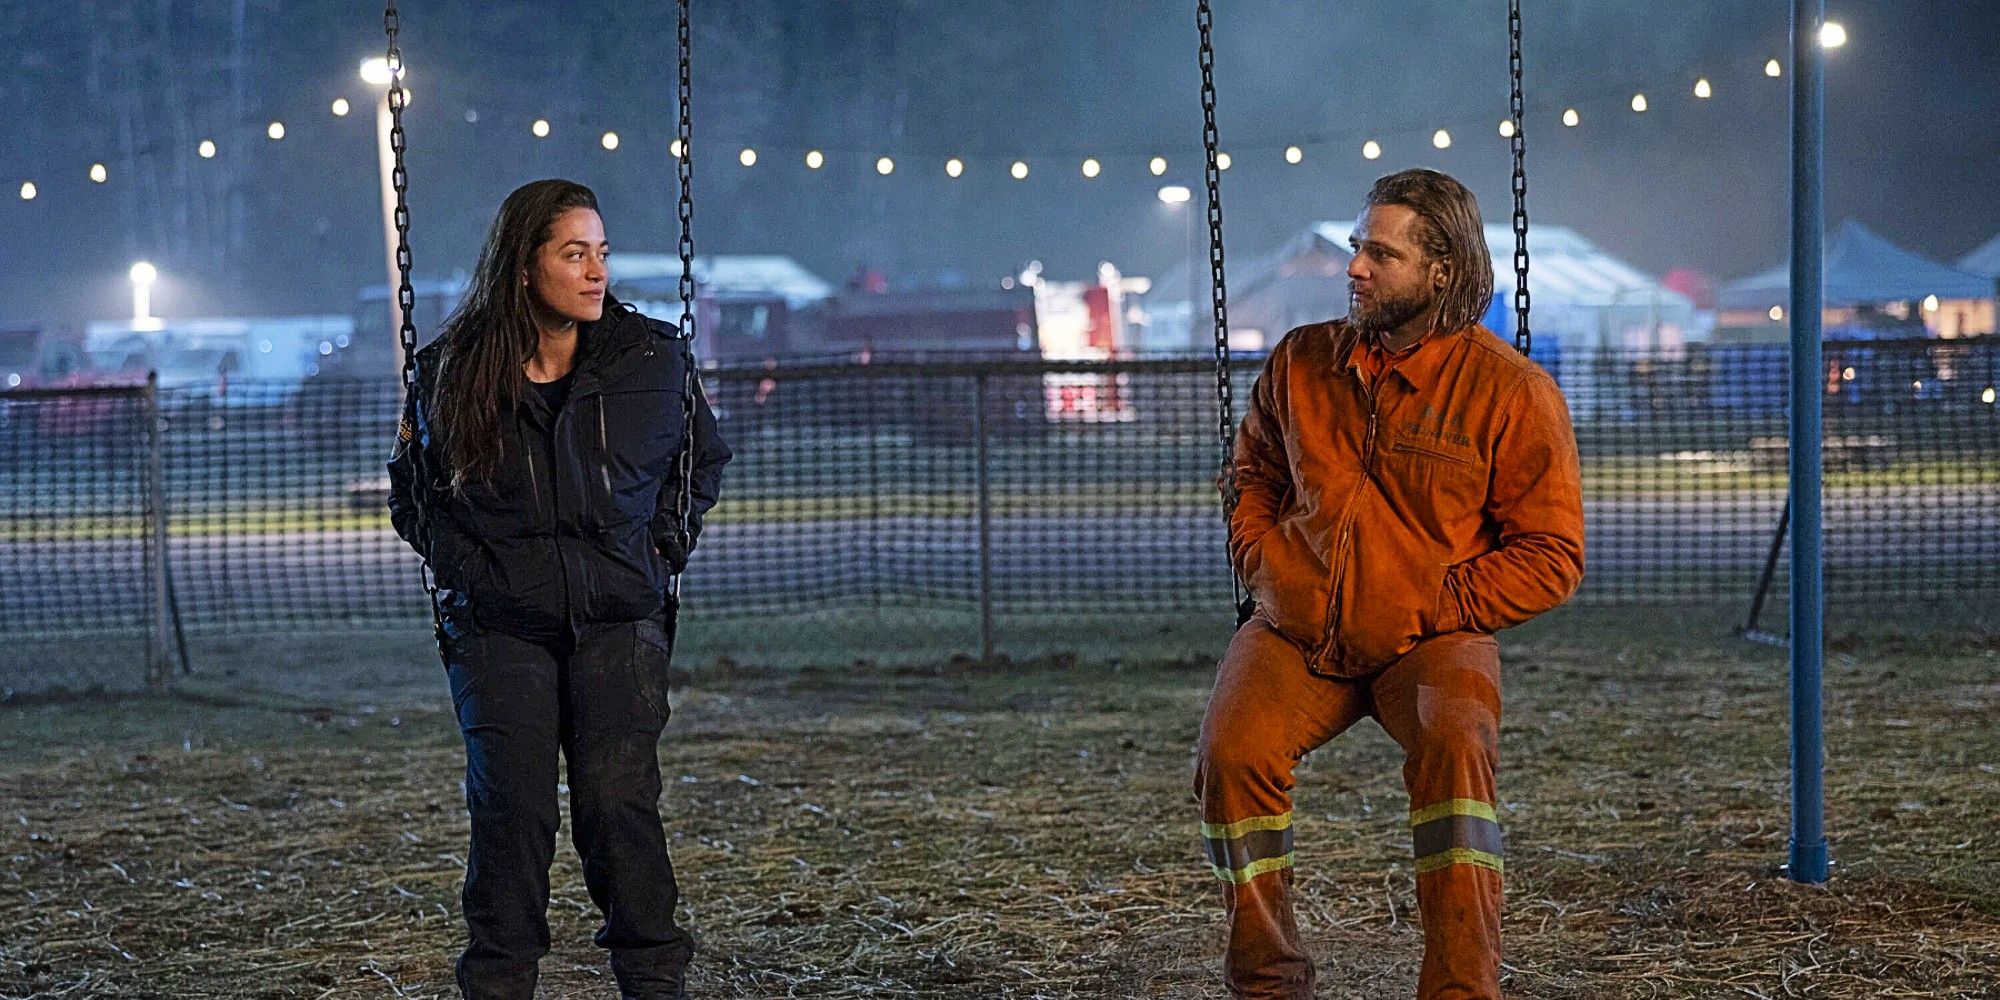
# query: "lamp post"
{"points": [[143, 275], [375, 73], [1177, 197]]}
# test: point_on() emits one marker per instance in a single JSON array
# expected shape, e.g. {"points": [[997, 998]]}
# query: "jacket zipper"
{"points": [[534, 483], [603, 450], [1340, 548]]}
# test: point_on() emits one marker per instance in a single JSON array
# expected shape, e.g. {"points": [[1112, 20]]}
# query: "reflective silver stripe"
{"points": [[1243, 851], [1470, 832]]}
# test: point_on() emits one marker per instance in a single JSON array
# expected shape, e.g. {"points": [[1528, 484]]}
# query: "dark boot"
{"points": [[651, 973], [490, 983]]}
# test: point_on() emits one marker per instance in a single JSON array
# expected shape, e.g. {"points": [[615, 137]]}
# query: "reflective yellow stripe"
{"points": [[1453, 807], [1243, 826], [1457, 856], [1251, 870]]}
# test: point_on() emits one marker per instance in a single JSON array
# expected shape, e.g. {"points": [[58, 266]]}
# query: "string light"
{"points": [[1930, 303], [1832, 35], [674, 149], [1777, 314], [28, 191]]}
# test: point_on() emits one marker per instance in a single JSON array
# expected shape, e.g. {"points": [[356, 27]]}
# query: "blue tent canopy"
{"points": [[1861, 268], [1984, 261]]}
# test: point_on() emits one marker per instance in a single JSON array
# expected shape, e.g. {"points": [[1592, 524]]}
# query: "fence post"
{"points": [[985, 513], [159, 639]]}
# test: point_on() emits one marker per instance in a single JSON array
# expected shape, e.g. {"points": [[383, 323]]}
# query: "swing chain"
{"points": [[1522, 338], [406, 300], [685, 172], [1224, 394]]}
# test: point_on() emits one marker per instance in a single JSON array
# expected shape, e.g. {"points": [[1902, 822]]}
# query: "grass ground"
{"points": [[291, 824]]}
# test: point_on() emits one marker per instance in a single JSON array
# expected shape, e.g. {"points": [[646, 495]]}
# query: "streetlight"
{"points": [[1177, 197], [143, 275], [375, 73]]}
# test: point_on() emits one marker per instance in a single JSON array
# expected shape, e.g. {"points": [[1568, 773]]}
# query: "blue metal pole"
{"points": [[1808, 844]]}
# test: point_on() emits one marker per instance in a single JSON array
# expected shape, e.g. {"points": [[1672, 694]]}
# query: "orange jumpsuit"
{"points": [[1392, 514]]}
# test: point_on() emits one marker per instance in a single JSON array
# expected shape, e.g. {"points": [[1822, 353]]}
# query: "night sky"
{"points": [[294, 226]]}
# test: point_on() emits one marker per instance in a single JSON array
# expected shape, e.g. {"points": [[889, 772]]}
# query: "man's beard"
{"points": [[1383, 315]]}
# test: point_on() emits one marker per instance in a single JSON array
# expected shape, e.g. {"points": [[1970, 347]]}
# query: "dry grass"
{"points": [[954, 832]]}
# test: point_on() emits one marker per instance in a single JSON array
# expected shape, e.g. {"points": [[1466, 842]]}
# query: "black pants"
{"points": [[601, 701]]}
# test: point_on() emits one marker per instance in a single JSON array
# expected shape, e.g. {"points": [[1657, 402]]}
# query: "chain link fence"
{"points": [[975, 493]]}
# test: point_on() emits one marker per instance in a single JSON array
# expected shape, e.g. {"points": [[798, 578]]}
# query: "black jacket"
{"points": [[579, 524]]}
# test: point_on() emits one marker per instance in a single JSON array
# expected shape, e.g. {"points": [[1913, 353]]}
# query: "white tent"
{"points": [[1582, 296]]}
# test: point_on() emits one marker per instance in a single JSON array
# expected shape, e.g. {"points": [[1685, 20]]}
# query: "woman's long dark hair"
{"points": [[492, 333]]}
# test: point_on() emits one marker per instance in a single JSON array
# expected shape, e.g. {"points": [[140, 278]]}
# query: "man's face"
{"points": [[570, 271], [1389, 281]]}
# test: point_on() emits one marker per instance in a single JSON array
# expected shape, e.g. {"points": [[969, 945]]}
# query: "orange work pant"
{"points": [[1441, 703]]}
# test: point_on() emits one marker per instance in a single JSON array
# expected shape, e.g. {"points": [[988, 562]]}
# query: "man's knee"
{"points": [[1464, 732], [1229, 755]]}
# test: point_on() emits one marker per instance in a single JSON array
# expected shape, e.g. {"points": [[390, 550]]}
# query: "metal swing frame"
{"points": [[1211, 144], [406, 304]]}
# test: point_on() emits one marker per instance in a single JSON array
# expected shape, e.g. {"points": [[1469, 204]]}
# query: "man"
{"points": [[1407, 486]]}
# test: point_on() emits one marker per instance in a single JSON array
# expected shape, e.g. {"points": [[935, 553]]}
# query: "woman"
{"points": [[545, 436]]}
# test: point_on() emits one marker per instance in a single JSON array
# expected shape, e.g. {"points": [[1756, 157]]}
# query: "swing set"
{"points": [[1808, 843]]}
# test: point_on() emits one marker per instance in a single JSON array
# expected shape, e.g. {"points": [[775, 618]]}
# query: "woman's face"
{"points": [[568, 274]]}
